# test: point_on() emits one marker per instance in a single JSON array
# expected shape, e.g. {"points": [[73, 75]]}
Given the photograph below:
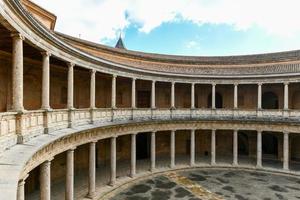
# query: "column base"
{"points": [[91, 196]]}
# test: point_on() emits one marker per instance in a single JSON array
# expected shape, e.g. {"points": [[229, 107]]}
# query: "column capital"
{"points": [[286, 83], [286, 132], [70, 65], [235, 83], [213, 84], [72, 149], [193, 84], [45, 54], [154, 81], [93, 71], [259, 84], [153, 132], [114, 75], [214, 130], [17, 35], [134, 78], [173, 82], [259, 131], [235, 130]]}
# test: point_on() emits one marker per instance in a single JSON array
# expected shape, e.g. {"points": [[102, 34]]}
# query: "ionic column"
{"points": [[133, 93], [259, 150], [192, 160], [21, 189], [259, 96], [173, 95], [286, 151], [153, 104], [235, 96], [193, 96], [17, 72], [113, 91], [235, 147], [46, 81], [70, 85], [92, 170], [213, 96], [172, 150], [113, 160], [70, 175], [93, 89], [286, 96], [153, 151], [45, 180], [213, 147], [133, 155]]}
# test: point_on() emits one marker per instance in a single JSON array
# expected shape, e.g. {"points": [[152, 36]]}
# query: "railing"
{"points": [[21, 127]]}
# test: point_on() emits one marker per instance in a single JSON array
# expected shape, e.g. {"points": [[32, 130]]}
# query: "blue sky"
{"points": [[183, 27]]}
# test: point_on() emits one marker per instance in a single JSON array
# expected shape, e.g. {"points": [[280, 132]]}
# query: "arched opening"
{"points": [[270, 101], [270, 146], [243, 144], [218, 101]]}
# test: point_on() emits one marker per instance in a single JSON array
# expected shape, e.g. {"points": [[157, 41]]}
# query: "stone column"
{"points": [[172, 150], [193, 96], [113, 91], [46, 81], [153, 104], [70, 175], [259, 96], [192, 160], [93, 89], [286, 96], [92, 170], [21, 189], [213, 147], [133, 155], [133, 93], [173, 95], [153, 152], [286, 157], [45, 180], [70, 85], [113, 160], [235, 103], [235, 147], [259, 149], [17, 72], [213, 96]]}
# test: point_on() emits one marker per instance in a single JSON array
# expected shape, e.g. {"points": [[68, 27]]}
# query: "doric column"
{"points": [[17, 72], [113, 160], [93, 89], [46, 81], [172, 150], [133, 93], [70, 175], [286, 151], [173, 95], [113, 91], [213, 147], [153, 104], [286, 96], [92, 170], [45, 180], [235, 103], [259, 96], [133, 155], [259, 149], [70, 85], [213, 96], [153, 152], [192, 160], [193, 96], [21, 189], [235, 147]]}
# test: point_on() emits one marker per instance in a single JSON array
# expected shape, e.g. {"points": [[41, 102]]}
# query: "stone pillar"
{"points": [[17, 72], [113, 160], [153, 104], [259, 96], [235, 148], [70, 85], [286, 96], [92, 170], [70, 175], [45, 180], [46, 81], [213, 147], [153, 152], [133, 155], [172, 150], [93, 89], [113, 91], [21, 189], [213, 96], [133, 93], [286, 157], [193, 96], [235, 103], [259, 149], [173, 95], [192, 160]]}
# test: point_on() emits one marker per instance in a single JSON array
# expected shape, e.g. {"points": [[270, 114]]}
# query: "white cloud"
{"points": [[192, 44], [98, 20]]}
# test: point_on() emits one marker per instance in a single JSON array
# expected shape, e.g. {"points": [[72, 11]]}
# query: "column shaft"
{"points": [[70, 86], [193, 96], [70, 175], [153, 104], [46, 81], [286, 96], [173, 95], [113, 160], [192, 160], [213, 147], [92, 170], [21, 190], [286, 156], [235, 96], [93, 90], [213, 96], [133, 155], [133, 93], [172, 150], [113, 91], [45, 181], [259, 149], [235, 147], [153, 151], [259, 96]]}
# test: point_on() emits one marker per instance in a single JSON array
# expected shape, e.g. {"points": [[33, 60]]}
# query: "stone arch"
{"points": [[218, 102], [270, 100]]}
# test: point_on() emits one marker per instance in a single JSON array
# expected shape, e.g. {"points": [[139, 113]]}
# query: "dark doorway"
{"points": [[143, 99], [270, 100], [142, 146], [243, 143], [218, 102], [270, 145]]}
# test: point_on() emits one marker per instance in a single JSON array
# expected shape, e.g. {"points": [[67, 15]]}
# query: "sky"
{"points": [[183, 27]]}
